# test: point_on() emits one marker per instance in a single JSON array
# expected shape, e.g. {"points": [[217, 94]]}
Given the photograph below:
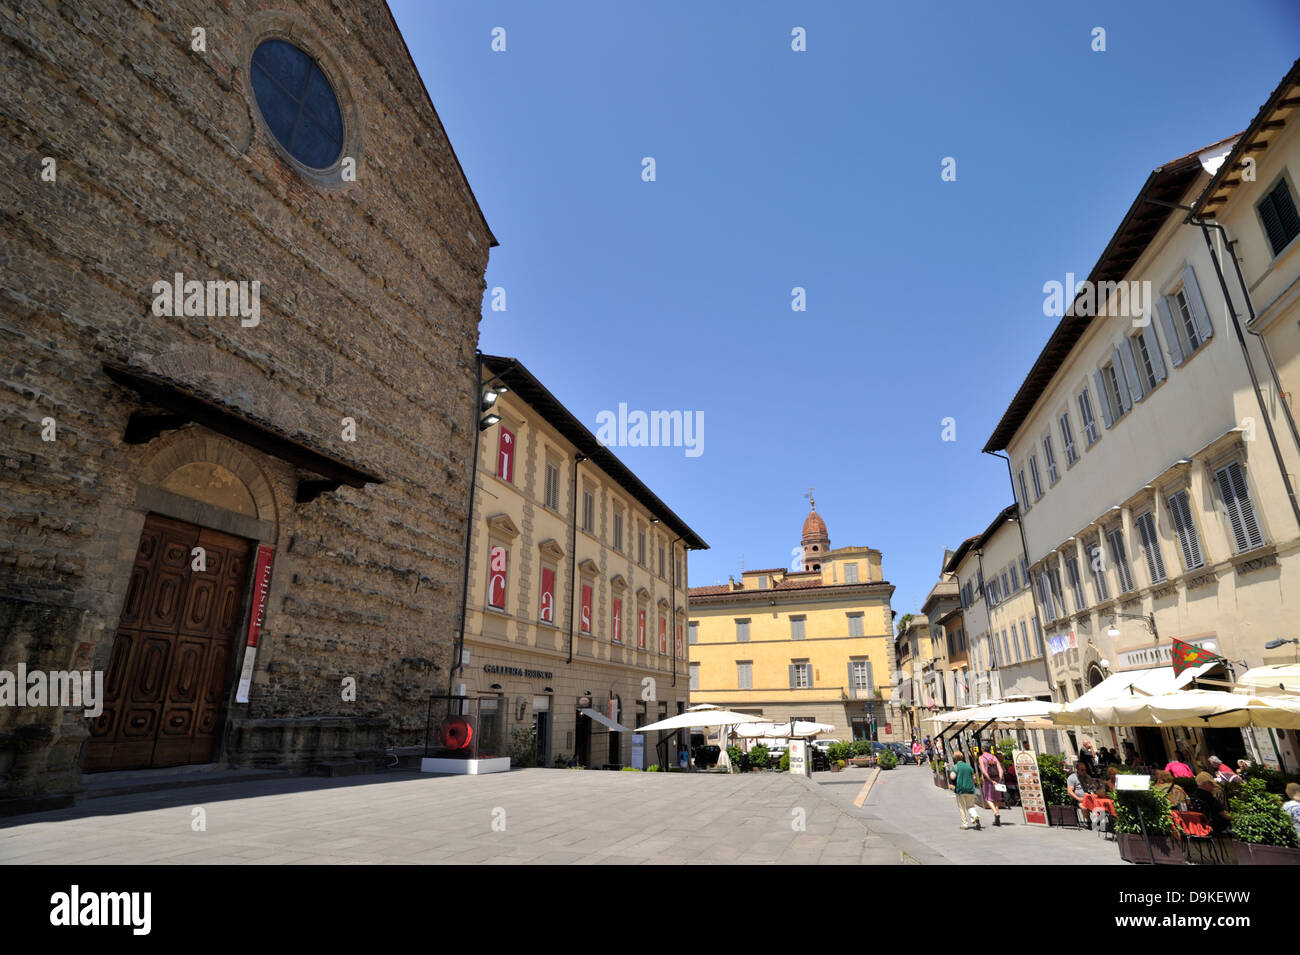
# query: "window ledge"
{"points": [[1257, 559]]}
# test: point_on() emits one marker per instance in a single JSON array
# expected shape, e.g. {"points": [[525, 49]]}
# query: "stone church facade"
{"points": [[239, 303]]}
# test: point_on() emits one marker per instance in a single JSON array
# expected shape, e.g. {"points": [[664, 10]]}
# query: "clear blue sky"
{"points": [[819, 169]]}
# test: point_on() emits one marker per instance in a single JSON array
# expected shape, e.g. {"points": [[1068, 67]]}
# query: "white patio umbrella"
{"points": [[792, 730], [1204, 709], [1270, 679], [713, 717]]}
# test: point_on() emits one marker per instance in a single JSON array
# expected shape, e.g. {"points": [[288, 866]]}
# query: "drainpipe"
{"points": [[1205, 225], [984, 595], [469, 523], [1024, 548], [1250, 365], [573, 555], [672, 553]]}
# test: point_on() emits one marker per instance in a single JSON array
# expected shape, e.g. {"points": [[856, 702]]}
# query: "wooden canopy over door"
{"points": [[170, 670]]}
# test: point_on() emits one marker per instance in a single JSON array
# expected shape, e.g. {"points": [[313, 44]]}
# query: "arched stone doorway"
{"points": [[202, 507]]}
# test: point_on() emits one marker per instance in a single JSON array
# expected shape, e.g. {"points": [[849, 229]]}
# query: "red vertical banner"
{"points": [[497, 578], [663, 635], [618, 619], [257, 614], [679, 641], [585, 620], [640, 629], [506, 455], [547, 608]]}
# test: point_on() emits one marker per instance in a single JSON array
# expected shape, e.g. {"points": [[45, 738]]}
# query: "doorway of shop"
{"points": [[582, 740], [171, 665], [542, 730]]}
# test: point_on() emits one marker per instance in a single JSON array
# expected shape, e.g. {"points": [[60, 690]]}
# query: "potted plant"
{"points": [[1157, 822], [1263, 833], [1056, 797], [739, 760], [758, 757], [887, 759], [940, 773]]}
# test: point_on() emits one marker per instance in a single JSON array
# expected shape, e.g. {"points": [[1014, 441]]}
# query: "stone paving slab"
{"points": [[906, 810], [549, 817]]}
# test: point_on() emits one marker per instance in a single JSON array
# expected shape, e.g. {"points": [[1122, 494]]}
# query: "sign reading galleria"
{"points": [[518, 671]]}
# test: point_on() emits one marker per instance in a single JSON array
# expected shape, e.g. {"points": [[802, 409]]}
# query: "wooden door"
{"points": [[170, 669]]}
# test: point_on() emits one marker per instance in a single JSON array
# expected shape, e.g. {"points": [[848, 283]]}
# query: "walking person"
{"points": [[963, 785], [991, 771], [916, 751]]}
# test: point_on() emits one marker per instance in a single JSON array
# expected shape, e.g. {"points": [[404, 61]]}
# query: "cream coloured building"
{"points": [[812, 643], [1152, 460], [576, 604]]}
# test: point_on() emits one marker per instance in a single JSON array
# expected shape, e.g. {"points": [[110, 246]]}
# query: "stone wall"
{"points": [[370, 297]]}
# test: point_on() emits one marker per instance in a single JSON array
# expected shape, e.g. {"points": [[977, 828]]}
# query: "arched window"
{"points": [[298, 103]]}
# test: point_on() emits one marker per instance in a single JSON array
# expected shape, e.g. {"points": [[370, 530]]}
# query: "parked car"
{"points": [[706, 756], [824, 744]]}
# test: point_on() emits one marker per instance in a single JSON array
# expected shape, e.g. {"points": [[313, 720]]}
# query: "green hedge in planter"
{"points": [[739, 761], [784, 764], [1155, 812], [861, 747], [1052, 775], [759, 757], [1258, 817], [887, 759]]}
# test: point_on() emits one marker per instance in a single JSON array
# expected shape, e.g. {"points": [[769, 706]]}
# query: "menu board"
{"points": [[1031, 788]]}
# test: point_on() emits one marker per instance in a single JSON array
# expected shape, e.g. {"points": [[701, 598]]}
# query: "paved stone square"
{"points": [[540, 816]]}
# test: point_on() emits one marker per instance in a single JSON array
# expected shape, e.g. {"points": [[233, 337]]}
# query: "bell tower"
{"points": [[815, 540]]}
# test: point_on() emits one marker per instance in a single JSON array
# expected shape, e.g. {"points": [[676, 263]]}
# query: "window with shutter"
{"points": [[797, 628], [552, 487], [1049, 455], [1189, 544], [1241, 512], [1058, 593], [588, 512], [1151, 347], [1033, 474], [1015, 579], [1120, 557], [1103, 396], [695, 676], [1130, 382], [1141, 358], [1200, 314], [1031, 650], [1089, 420], [1146, 525], [851, 573], [618, 531], [1067, 439], [1076, 582], [1277, 213], [1169, 323], [1006, 590], [855, 625], [745, 674], [1024, 494], [693, 632], [1097, 563], [742, 631]]}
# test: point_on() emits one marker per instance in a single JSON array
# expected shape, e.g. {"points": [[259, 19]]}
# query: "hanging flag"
{"points": [[1186, 656]]}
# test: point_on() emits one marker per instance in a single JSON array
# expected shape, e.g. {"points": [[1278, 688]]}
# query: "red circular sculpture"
{"points": [[455, 733]]}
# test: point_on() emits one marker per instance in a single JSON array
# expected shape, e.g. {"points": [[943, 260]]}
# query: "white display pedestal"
{"points": [[465, 767]]}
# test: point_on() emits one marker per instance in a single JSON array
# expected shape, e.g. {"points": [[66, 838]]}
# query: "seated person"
{"points": [[1079, 785], [1175, 793], [1179, 768], [1207, 798], [1106, 788]]}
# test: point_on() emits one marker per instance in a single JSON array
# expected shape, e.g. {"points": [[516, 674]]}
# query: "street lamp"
{"points": [[1149, 619], [1283, 641]]}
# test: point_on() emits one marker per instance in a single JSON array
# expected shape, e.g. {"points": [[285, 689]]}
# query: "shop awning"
{"points": [[1151, 681], [1284, 677], [1202, 709], [604, 721]]}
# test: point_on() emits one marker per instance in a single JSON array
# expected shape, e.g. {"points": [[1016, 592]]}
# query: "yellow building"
{"points": [[576, 600], [811, 643]]}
